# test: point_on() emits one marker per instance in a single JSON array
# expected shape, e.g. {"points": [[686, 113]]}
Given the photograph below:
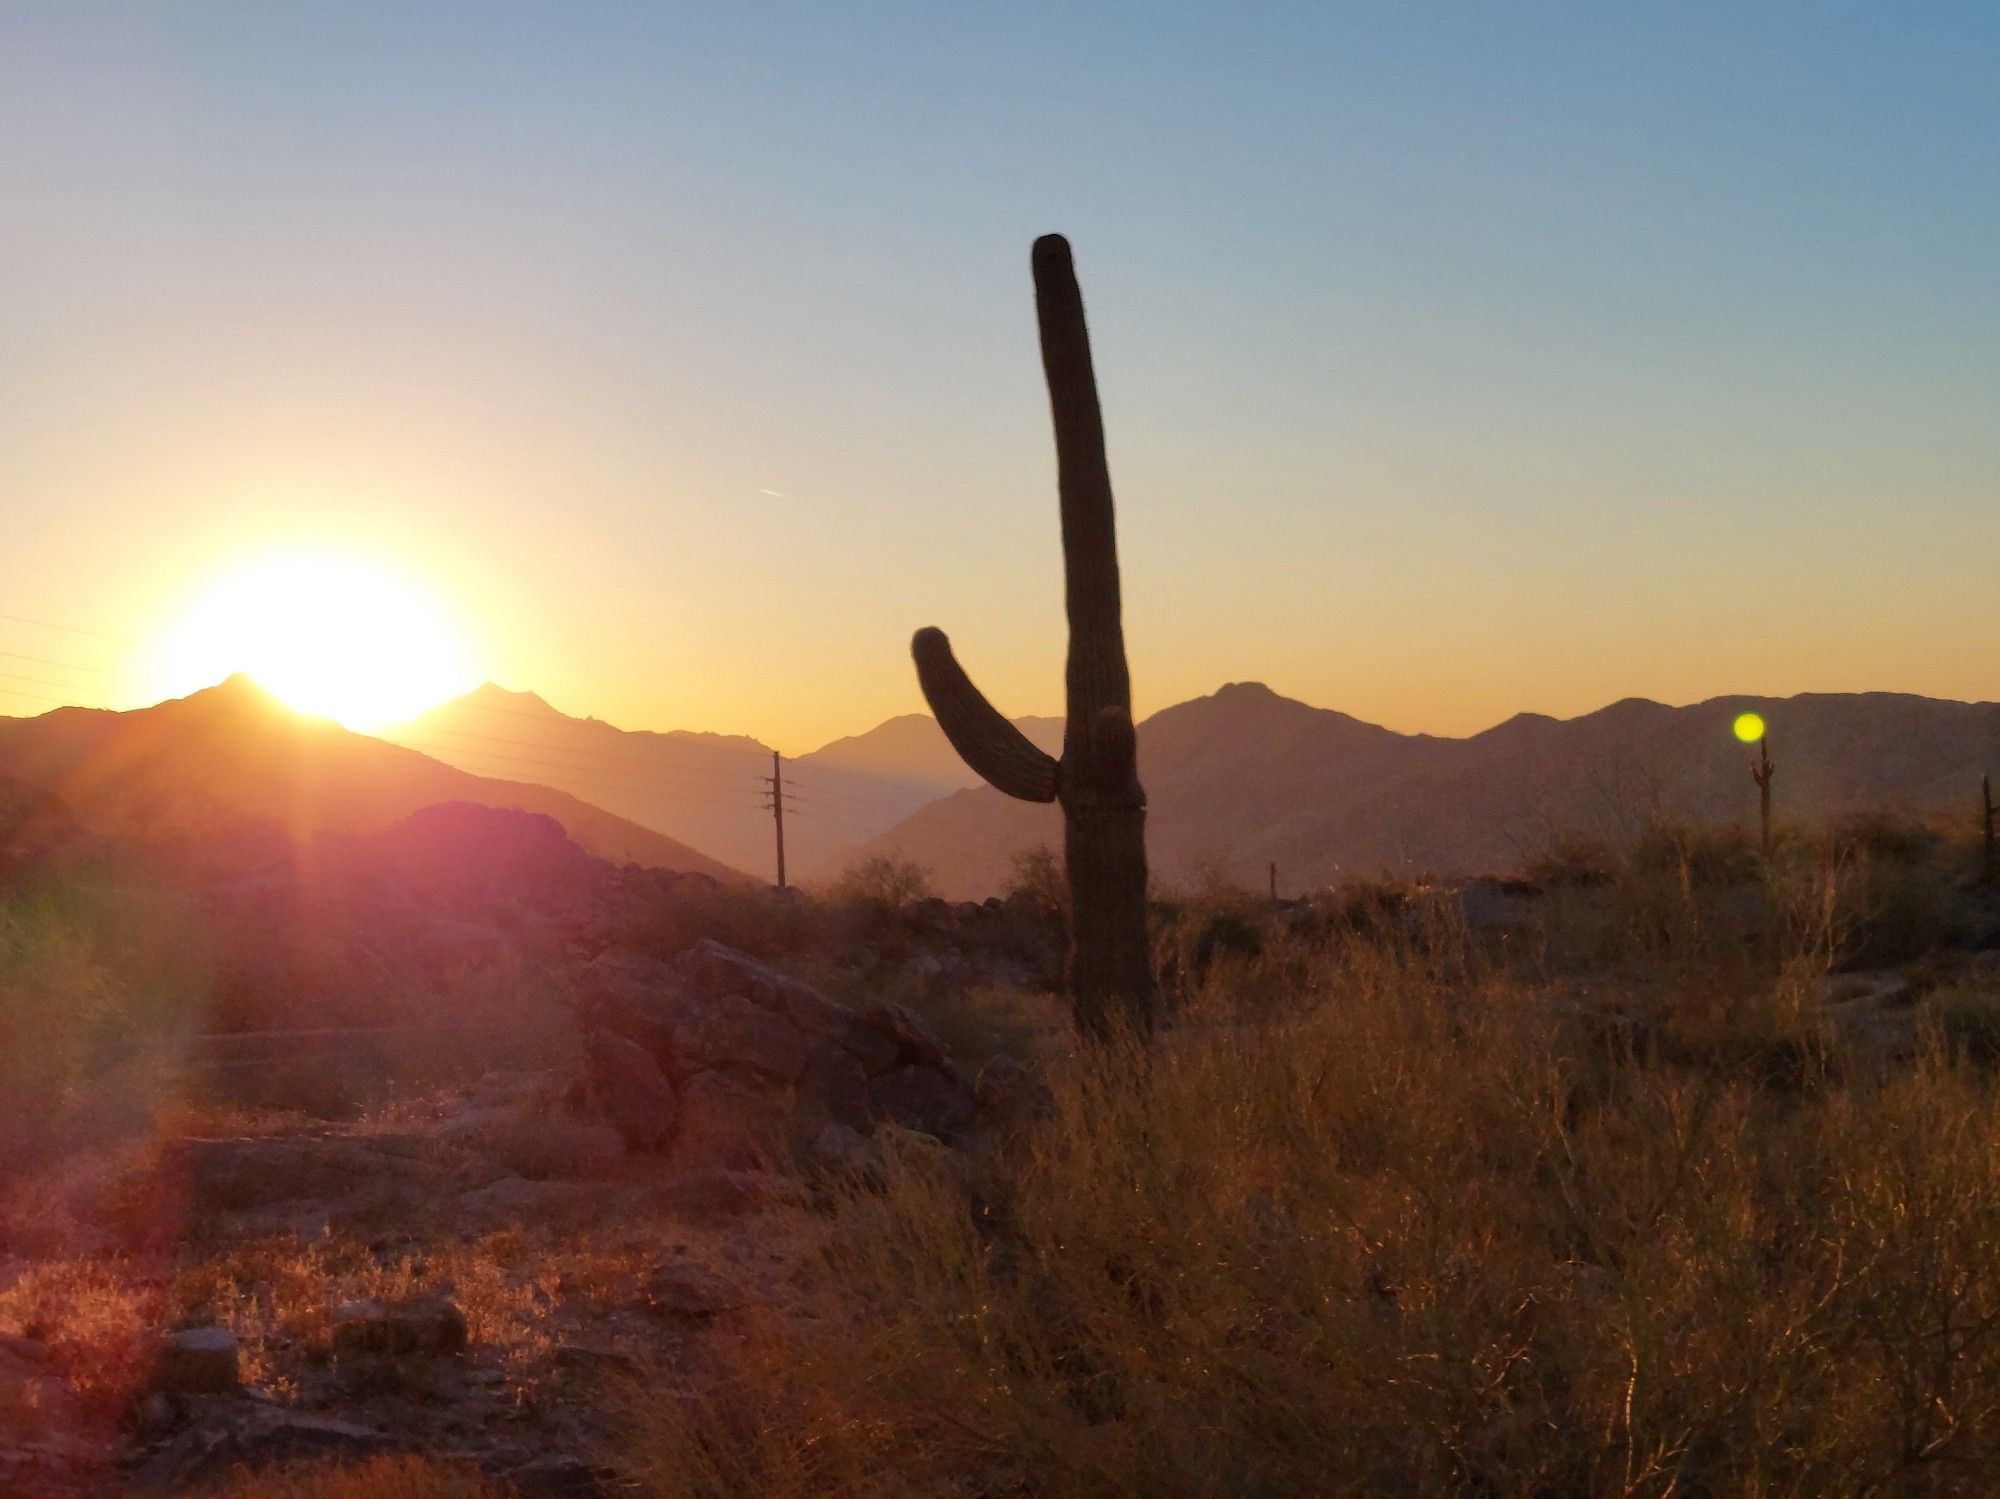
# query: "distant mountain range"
{"points": [[230, 752], [1246, 778], [912, 749], [1237, 781], [708, 789]]}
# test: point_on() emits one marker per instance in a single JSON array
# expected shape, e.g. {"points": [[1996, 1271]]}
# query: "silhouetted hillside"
{"points": [[706, 789], [912, 748], [231, 752], [1244, 778]]}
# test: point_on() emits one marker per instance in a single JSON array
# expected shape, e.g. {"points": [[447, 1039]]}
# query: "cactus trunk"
{"points": [[1097, 780], [1760, 772]]}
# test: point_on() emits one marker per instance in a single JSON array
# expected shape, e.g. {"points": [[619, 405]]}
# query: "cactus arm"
{"points": [[980, 733]]}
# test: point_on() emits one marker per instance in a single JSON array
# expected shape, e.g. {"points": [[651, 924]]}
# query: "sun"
{"points": [[1749, 727], [344, 635]]}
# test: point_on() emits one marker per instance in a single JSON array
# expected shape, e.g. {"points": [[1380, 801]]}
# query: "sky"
{"points": [[1457, 360]]}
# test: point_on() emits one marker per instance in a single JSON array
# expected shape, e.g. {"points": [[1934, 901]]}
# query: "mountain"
{"points": [[912, 749], [231, 752], [706, 789], [1244, 778]]}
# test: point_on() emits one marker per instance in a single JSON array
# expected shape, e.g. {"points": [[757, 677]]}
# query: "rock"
{"points": [[914, 1041], [223, 1175], [732, 1034], [839, 1150], [199, 1361], [631, 1091], [1008, 1099], [922, 1098], [33, 1396], [418, 1328], [683, 1288], [563, 1476], [538, 1146], [725, 1063], [707, 1194], [834, 1085], [255, 1436], [517, 1199], [595, 1360], [726, 1123]]}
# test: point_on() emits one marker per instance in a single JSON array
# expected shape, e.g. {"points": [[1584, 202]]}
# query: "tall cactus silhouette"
{"points": [[1097, 779], [1760, 772]]}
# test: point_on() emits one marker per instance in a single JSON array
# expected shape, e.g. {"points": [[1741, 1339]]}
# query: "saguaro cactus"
{"points": [[1097, 779], [1760, 772]]}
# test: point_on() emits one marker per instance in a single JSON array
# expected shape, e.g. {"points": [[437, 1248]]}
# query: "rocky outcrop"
{"points": [[718, 1061]]}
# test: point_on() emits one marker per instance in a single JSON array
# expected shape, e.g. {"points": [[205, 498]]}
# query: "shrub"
{"points": [[882, 880], [1407, 1234], [1037, 877]]}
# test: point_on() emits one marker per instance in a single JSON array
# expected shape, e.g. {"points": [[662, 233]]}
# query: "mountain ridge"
{"points": [[1246, 777], [232, 750]]}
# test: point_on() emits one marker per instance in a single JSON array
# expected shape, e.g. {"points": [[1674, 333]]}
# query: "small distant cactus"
{"points": [[1760, 772], [1097, 779]]}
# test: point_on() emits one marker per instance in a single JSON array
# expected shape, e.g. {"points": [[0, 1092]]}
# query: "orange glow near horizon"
{"points": [[340, 634]]}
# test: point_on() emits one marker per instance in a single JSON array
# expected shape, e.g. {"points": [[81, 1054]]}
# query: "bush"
{"points": [[1405, 1235], [880, 880], [1037, 876]]}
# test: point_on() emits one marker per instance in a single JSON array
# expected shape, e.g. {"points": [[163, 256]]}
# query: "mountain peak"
{"points": [[493, 695], [239, 691]]}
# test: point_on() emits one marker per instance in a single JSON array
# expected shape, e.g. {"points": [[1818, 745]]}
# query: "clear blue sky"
{"points": [[1457, 359]]}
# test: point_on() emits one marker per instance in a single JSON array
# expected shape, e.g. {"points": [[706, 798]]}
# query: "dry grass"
{"points": [[378, 1478], [1385, 1219]]}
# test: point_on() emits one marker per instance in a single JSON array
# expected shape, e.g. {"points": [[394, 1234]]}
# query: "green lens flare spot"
{"points": [[1749, 727]]}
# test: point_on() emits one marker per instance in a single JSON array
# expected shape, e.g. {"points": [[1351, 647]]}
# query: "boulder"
{"points": [[922, 1098], [914, 1041], [840, 1151], [224, 1175], [396, 1347], [631, 1091], [684, 1289], [721, 1061], [198, 1361], [254, 1436], [732, 1124], [418, 1327]]}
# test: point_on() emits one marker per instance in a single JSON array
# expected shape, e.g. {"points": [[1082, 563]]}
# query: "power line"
{"points": [[587, 778], [43, 624], [37, 681], [49, 661], [580, 772], [639, 764]]}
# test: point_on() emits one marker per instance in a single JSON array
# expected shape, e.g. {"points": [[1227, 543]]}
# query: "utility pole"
{"points": [[776, 781]]}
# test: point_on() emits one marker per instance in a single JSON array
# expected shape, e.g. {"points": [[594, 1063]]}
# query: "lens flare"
{"points": [[344, 635], [1749, 727]]}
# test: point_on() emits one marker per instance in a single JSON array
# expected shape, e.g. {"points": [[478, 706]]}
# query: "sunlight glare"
{"points": [[343, 635]]}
